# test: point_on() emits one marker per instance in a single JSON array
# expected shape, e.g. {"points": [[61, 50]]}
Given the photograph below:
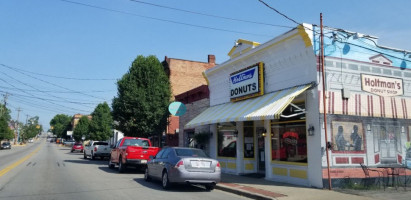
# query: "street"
{"points": [[43, 170]]}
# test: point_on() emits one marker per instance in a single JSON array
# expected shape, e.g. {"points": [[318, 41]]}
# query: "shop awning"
{"points": [[268, 106]]}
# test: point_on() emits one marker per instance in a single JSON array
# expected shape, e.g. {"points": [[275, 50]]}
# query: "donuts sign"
{"points": [[247, 83]]}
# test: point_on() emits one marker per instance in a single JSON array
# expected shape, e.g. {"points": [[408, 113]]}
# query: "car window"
{"points": [[166, 153], [118, 143], [191, 152], [136, 142], [100, 143], [160, 153]]}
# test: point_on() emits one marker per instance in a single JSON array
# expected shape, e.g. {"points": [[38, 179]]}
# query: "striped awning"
{"points": [[367, 105], [268, 106]]}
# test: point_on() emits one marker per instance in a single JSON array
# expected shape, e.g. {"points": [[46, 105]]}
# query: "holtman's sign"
{"points": [[382, 86], [247, 83]]}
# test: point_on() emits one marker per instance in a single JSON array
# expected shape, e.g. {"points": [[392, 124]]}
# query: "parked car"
{"points": [[183, 165], [77, 147], [97, 149], [131, 151], [6, 145]]}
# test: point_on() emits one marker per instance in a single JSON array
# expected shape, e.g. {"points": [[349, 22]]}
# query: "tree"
{"points": [[82, 129], [5, 131], [60, 124], [144, 93], [31, 129], [101, 123]]}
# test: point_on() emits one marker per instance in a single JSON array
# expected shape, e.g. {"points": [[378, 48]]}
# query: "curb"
{"points": [[226, 188]]}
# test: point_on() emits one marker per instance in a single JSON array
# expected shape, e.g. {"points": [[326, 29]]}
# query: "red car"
{"points": [[77, 147]]}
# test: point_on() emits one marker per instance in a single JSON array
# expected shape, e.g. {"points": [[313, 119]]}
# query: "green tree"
{"points": [[101, 123], [82, 129], [5, 131], [60, 124], [31, 129], [144, 93]]}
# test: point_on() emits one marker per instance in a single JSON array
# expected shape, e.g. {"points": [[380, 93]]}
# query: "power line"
{"points": [[60, 77], [56, 91], [164, 20], [31, 94], [210, 15], [278, 12], [50, 84]]}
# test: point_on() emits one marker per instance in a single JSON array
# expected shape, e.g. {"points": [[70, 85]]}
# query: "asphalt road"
{"points": [[43, 170]]}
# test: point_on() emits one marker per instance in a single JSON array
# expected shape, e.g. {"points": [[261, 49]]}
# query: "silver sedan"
{"points": [[183, 165]]}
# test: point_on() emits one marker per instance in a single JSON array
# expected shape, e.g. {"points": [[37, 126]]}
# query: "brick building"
{"points": [[184, 75]]}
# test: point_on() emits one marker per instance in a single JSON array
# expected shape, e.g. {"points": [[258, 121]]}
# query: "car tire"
{"points": [[121, 166], [92, 156], [146, 176], [209, 187], [71, 151], [164, 181], [84, 155], [110, 164]]}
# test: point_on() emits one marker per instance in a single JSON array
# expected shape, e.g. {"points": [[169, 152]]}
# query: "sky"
{"points": [[65, 56]]}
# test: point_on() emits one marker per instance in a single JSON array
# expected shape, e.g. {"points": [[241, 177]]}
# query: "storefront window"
{"points": [[248, 140], [288, 142], [227, 139]]}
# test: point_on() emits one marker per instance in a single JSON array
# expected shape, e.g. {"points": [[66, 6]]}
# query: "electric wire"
{"points": [[164, 20], [33, 95], [60, 77], [210, 15], [52, 83]]}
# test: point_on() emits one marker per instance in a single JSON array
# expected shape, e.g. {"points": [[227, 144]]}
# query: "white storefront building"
{"points": [[266, 109]]}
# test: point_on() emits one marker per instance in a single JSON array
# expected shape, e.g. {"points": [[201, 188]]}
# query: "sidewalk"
{"points": [[259, 188]]}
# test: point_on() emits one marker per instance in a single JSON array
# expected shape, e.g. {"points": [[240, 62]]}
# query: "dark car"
{"points": [[77, 147], [183, 165], [6, 145]]}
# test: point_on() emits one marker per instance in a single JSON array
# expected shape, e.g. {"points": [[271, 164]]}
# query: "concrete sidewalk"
{"points": [[259, 188]]}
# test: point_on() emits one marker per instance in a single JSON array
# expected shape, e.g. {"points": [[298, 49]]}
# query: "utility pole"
{"points": [[17, 125], [327, 148]]}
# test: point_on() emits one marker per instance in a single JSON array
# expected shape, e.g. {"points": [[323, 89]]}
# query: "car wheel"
{"points": [[71, 151], [165, 181], [92, 156], [146, 176], [121, 166], [84, 155], [209, 187], [110, 164]]}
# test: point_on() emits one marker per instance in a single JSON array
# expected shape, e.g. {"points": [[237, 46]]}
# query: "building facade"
{"points": [[184, 75], [266, 107]]}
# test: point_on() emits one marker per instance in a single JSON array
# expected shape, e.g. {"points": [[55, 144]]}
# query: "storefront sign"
{"points": [[247, 83], [382, 86]]}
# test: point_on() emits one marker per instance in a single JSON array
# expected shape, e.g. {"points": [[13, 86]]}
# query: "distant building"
{"points": [[184, 75]]}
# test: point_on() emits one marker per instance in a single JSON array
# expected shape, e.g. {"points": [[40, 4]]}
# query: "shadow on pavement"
{"points": [[156, 185]]}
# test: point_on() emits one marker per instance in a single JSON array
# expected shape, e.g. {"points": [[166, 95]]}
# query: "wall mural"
{"points": [[347, 136]]}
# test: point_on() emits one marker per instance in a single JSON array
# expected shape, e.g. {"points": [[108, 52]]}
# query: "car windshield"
{"points": [[136, 142], [191, 152]]}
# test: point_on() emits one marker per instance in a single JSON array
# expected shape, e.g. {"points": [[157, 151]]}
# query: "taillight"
{"points": [[181, 162], [95, 148], [218, 164]]}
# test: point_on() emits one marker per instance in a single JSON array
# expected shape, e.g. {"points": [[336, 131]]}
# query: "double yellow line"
{"points": [[10, 167]]}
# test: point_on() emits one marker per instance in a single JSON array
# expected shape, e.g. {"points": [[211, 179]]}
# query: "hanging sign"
{"points": [[247, 83], [177, 108], [382, 86]]}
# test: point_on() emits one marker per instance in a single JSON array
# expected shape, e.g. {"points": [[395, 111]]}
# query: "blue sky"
{"points": [[64, 56]]}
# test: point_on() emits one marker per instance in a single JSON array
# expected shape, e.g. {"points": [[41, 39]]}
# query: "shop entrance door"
{"points": [[261, 154]]}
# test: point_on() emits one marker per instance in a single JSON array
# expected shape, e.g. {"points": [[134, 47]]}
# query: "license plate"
{"points": [[143, 161], [200, 164]]}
